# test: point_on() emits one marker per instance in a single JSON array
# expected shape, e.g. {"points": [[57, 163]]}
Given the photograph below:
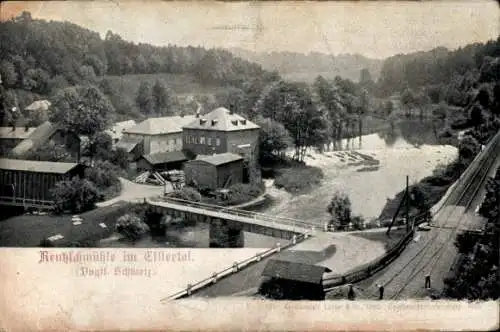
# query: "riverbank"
{"points": [[368, 190]]}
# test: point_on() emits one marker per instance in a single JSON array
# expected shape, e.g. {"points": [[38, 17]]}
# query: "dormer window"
{"points": [[203, 121], [214, 122], [234, 122], [243, 122]]}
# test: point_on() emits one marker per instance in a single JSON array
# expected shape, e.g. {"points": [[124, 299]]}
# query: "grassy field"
{"points": [[28, 230], [184, 85]]}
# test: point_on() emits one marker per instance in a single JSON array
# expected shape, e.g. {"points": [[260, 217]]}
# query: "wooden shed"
{"points": [[286, 280], [163, 161], [215, 171], [28, 183]]}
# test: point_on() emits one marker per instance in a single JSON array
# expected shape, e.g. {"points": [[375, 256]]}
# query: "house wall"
{"points": [[207, 142], [233, 170], [30, 185], [200, 173], [159, 143], [204, 142], [143, 165], [236, 138]]}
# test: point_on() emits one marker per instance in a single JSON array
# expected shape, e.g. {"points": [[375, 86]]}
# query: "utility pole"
{"points": [[407, 205]]}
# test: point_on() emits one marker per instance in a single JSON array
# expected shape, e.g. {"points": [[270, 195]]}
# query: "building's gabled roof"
{"points": [[163, 125], [295, 271], [39, 136], [221, 119], [39, 105], [116, 131], [36, 166], [128, 143], [220, 158], [165, 157], [17, 133]]}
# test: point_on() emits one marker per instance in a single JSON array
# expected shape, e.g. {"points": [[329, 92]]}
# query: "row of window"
{"points": [[202, 140]]}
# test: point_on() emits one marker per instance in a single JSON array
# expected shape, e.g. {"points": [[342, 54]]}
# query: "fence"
{"points": [[367, 270], [26, 202], [235, 267]]}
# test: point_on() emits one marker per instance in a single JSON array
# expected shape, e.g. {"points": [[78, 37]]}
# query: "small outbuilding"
{"points": [[163, 161], [215, 171], [286, 280], [29, 183]]}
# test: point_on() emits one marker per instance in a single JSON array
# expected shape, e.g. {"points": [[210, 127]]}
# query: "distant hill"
{"points": [[306, 67]]}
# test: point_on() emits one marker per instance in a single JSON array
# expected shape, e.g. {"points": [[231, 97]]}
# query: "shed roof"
{"points": [[163, 125], [221, 119], [220, 158], [39, 136], [128, 143], [17, 133], [36, 166], [165, 157], [295, 271]]}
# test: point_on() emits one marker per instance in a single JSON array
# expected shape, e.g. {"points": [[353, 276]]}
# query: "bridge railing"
{"points": [[242, 213], [235, 267]]}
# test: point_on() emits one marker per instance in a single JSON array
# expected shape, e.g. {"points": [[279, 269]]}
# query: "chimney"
{"points": [[231, 112], [26, 127]]}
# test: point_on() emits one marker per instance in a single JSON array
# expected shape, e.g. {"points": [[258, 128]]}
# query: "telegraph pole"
{"points": [[407, 205]]}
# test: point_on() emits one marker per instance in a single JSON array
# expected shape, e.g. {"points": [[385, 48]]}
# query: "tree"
{"points": [[365, 78], [8, 74], [50, 152], [131, 226], [468, 147], [408, 100], [340, 210], [84, 110], [100, 146], [388, 108], [163, 98], [76, 195], [119, 157], [273, 138], [476, 115], [144, 98]]}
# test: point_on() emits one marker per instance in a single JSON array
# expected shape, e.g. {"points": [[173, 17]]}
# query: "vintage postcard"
{"points": [[225, 166]]}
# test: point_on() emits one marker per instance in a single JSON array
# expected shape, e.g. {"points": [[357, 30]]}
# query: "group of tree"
{"points": [[39, 58], [340, 211], [158, 100]]}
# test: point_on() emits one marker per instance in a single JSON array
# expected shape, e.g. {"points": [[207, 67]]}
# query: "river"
{"points": [[410, 148]]}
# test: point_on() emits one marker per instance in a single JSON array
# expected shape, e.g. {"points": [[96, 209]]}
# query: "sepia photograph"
{"points": [[154, 153]]}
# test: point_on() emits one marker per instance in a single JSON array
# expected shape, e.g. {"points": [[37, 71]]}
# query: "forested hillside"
{"points": [[38, 58], [305, 67]]}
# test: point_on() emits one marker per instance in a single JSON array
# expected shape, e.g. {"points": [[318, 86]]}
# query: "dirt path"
{"points": [[134, 192]]}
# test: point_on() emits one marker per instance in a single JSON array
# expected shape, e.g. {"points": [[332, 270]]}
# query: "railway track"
{"points": [[404, 277]]}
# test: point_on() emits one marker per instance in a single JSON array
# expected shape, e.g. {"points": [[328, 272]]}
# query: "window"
{"points": [[217, 141], [202, 140], [209, 140]]}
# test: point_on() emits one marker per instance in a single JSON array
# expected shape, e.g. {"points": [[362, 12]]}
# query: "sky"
{"points": [[374, 29]]}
